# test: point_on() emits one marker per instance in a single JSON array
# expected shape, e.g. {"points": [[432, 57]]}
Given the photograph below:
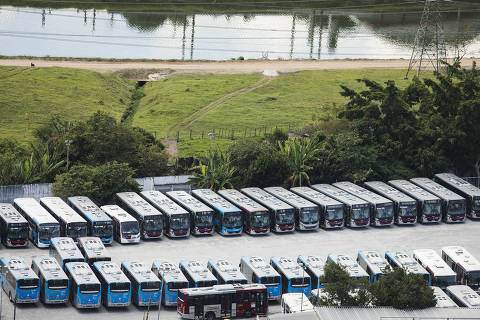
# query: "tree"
{"points": [[299, 155], [100, 183], [402, 290], [216, 174]]}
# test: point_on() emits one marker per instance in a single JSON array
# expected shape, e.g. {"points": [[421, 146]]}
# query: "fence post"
{"points": [[233, 134], [190, 134], [265, 130], [202, 134], [245, 134], [178, 136], [255, 132]]}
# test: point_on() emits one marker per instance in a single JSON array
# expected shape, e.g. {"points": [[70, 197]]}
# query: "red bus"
{"points": [[223, 301]]}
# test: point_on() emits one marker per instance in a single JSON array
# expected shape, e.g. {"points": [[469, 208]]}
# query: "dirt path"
{"points": [[171, 148], [248, 66]]}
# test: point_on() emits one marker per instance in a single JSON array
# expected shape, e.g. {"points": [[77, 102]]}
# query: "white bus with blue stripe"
{"points": [[258, 270], [197, 274], [373, 263], [84, 286], [401, 259], [172, 281], [64, 250], [116, 288], [43, 226], [54, 284], [315, 267], [18, 280], [146, 286], [294, 277], [352, 267], [226, 272]]}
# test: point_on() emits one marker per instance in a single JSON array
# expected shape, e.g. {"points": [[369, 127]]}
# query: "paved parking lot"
{"points": [[317, 242]]}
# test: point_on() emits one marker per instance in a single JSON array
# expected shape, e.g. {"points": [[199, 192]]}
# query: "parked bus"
{"points": [[443, 300], [314, 266], [332, 212], [256, 218], [296, 302], [356, 210], [150, 219], [257, 270], [125, 227], [463, 296], [93, 250], [18, 280], [64, 250], [228, 218], [172, 281], [405, 207], [465, 189], [54, 286], [293, 276], [381, 209], [223, 301], [43, 226], [99, 224], [453, 205], [428, 205], [71, 223], [282, 215], [226, 272], [116, 288], [197, 274], [401, 259], [84, 286], [353, 269], [176, 221], [306, 212], [146, 286], [13, 227], [441, 274], [373, 263], [466, 266]]}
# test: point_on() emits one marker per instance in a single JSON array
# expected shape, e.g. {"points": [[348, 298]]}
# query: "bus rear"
{"points": [[440, 273], [197, 274], [18, 280], [352, 267], [373, 263], [257, 270], [85, 288], [226, 272], [64, 250], [293, 276], [93, 250], [172, 281], [54, 284], [146, 286], [466, 266], [314, 266], [401, 259], [116, 288], [13, 227]]}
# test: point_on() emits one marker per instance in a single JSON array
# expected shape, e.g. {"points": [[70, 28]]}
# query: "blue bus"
{"points": [[84, 285], [197, 274], [93, 250], [99, 223], [314, 266], [146, 286], [226, 272], [352, 267], [116, 288], [18, 280], [257, 270], [373, 263], [54, 286], [228, 218], [401, 259], [293, 276], [172, 281], [64, 250]]}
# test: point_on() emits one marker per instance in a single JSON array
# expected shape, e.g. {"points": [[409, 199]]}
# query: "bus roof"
{"points": [[33, 209], [162, 202], [349, 263], [437, 189], [93, 247], [110, 271], [260, 266], [462, 257], [138, 204], [88, 208], [316, 196], [389, 192], [66, 247], [81, 273], [214, 200], [18, 268], [374, 260], [266, 199], [49, 268], [168, 271], [289, 267], [465, 294], [197, 270], [313, 263], [118, 214], [242, 201], [226, 269], [297, 302], [362, 193], [222, 288], [61, 209], [339, 195], [291, 198], [443, 300], [403, 260], [188, 201], [459, 184], [413, 190], [10, 215], [431, 261], [140, 271]]}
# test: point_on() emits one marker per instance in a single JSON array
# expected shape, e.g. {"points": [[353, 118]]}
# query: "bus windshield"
{"points": [[476, 204], [20, 232], [456, 207], [445, 281], [473, 278], [300, 282], [285, 217], [408, 210], [179, 222], [269, 281], [177, 285], [360, 213], [432, 208], [103, 229], [260, 220], [120, 287], [153, 224], [89, 288], [130, 227], [58, 284], [232, 220], [150, 286], [309, 215], [27, 283], [48, 231], [385, 211], [76, 230], [334, 213], [203, 219]]}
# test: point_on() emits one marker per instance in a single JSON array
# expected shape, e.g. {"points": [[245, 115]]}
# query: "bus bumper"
{"points": [[431, 219], [56, 301], [258, 231], [307, 226], [284, 228], [203, 231], [334, 224], [455, 219], [406, 220], [359, 223]]}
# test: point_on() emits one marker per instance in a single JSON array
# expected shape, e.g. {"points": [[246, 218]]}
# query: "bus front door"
{"points": [[261, 303], [226, 305], [198, 309]]}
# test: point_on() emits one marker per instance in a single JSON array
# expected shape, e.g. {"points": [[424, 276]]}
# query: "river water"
{"points": [[290, 34]]}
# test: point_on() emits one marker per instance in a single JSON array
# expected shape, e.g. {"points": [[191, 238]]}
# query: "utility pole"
{"points": [[429, 47]]}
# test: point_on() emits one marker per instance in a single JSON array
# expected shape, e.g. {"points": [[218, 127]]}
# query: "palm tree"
{"points": [[299, 153], [216, 174]]}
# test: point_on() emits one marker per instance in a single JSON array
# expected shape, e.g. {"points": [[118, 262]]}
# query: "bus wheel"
{"points": [[210, 316], [10, 296]]}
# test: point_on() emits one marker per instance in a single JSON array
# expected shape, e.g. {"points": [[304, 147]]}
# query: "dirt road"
{"points": [[248, 66]]}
